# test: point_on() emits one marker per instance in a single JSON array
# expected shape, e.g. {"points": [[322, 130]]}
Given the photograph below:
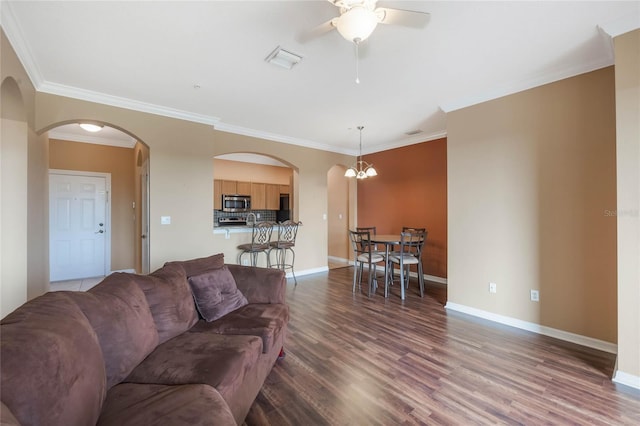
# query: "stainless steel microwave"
{"points": [[236, 203]]}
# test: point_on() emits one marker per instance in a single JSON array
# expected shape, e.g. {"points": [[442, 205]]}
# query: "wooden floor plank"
{"points": [[359, 360]]}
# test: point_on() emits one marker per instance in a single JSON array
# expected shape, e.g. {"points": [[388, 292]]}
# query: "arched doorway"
{"points": [[78, 156]]}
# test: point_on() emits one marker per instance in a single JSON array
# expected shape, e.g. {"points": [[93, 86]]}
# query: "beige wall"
{"points": [[22, 207], [181, 155], [531, 178], [119, 162], [338, 214], [627, 54]]}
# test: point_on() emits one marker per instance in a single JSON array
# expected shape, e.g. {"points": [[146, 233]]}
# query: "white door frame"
{"points": [[107, 236], [144, 218]]}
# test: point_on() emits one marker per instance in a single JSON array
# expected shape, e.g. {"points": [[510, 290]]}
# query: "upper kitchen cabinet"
{"points": [[258, 196], [229, 187], [285, 189], [217, 194], [272, 195], [243, 188]]}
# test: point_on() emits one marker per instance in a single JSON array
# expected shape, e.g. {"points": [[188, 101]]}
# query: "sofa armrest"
{"points": [[260, 285]]}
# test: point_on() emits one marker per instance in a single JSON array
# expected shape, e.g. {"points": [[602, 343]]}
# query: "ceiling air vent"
{"points": [[413, 132], [283, 58]]}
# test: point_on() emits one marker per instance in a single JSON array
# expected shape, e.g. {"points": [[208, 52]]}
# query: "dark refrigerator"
{"points": [[283, 213]]}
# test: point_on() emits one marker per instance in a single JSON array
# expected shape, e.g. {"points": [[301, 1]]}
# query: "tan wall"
{"points": [[181, 155], [531, 177], [119, 162], [410, 190], [248, 172], [338, 214], [627, 53], [23, 265]]}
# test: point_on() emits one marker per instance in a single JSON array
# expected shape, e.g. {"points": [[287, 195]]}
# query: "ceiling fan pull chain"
{"points": [[357, 43]]}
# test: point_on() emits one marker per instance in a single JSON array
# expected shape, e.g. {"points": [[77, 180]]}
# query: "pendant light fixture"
{"points": [[361, 169]]}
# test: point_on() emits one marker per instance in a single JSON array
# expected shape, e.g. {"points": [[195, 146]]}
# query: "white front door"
{"points": [[78, 231]]}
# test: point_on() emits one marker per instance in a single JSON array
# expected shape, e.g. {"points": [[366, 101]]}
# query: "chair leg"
{"points": [[401, 281], [293, 261], [355, 275], [421, 279]]}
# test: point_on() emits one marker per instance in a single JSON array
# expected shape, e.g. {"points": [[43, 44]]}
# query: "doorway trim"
{"points": [[107, 239]]}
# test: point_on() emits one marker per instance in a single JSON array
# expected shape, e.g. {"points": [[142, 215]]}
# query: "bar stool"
{"points": [[260, 239], [287, 232]]}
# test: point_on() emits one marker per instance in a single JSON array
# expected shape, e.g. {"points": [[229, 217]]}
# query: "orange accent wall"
{"points": [[410, 190]]}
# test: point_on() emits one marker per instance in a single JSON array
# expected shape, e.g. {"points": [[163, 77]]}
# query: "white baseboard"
{"points": [[308, 271], [340, 260], [536, 328], [626, 379]]}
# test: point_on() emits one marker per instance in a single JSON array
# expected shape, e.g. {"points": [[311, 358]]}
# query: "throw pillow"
{"points": [[216, 293], [201, 265]]}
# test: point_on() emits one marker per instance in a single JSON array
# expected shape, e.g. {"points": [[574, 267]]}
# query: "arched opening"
{"points": [[269, 182], [91, 173], [14, 193]]}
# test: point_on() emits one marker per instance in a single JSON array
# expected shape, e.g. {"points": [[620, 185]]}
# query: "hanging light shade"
{"points": [[362, 169], [357, 23]]}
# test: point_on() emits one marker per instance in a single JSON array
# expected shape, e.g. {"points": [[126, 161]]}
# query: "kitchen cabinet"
{"points": [[217, 194], [229, 187], [285, 189], [272, 195], [243, 188], [258, 196]]}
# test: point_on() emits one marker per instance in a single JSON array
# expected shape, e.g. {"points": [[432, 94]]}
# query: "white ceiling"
{"points": [[204, 61]]}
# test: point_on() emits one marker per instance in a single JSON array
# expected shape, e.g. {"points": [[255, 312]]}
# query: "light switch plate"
{"points": [[165, 220]]}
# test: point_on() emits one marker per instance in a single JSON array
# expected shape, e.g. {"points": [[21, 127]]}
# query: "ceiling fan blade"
{"points": [[316, 32], [406, 18]]}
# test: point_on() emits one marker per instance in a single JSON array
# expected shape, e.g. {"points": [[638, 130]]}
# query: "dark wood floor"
{"points": [[355, 360]]}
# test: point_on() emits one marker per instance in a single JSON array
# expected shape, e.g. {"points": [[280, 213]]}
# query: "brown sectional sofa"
{"points": [[137, 349]]}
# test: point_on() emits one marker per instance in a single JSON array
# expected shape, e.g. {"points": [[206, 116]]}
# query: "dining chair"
{"points": [[410, 253], [287, 232], [260, 243], [412, 229], [363, 254], [372, 231]]}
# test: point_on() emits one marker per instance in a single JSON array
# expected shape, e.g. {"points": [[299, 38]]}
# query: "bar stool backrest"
{"points": [[261, 234], [287, 232]]}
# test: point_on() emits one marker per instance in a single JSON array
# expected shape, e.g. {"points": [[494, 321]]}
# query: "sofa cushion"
{"points": [[119, 313], [213, 359], [52, 367], [263, 320], [201, 265], [146, 404], [216, 294], [170, 300]]}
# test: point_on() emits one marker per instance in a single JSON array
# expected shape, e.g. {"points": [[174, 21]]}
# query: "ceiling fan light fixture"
{"points": [[357, 23], [91, 127]]}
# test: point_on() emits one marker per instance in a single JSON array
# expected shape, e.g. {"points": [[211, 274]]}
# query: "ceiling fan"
{"points": [[358, 19]]}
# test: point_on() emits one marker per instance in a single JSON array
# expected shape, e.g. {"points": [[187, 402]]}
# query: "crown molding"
{"points": [[621, 25], [531, 83], [16, 38], [239, 130], [419, 138], [116, 101]]}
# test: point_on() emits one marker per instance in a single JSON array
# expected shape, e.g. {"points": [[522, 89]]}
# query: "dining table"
{"points": [[389, 241]]}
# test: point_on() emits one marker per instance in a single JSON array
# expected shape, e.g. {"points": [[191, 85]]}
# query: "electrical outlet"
{"points": [[535, 296], [257, 215], [493, 288], [245, 262]]}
